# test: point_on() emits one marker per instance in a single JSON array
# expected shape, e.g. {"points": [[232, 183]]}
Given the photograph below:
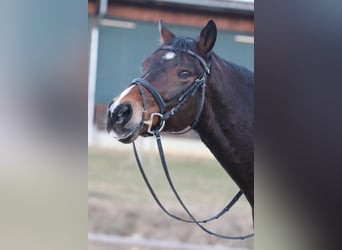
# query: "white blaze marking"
{"points": [[169, 55], [117, 101]]}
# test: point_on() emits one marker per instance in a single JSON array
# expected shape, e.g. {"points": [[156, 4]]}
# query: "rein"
{"points": [[164, 115]]}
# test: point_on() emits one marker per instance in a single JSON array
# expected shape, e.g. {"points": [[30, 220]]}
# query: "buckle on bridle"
{"points": [[149, 123]]}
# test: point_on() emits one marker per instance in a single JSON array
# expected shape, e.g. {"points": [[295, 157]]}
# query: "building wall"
{"points": [[122, 50], [128, 34], [178, 16]]}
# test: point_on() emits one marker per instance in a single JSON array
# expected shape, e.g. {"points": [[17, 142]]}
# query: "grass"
{"points": [[115, 175], [119, 201]]}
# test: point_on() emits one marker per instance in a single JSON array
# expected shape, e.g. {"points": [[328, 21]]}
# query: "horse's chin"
{"points": [[128, 139], [124, 135]]}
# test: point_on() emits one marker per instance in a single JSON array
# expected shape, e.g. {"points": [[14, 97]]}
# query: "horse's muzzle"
{"points": [[120, 123]]}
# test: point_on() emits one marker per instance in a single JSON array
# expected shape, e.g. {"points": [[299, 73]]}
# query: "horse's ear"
{"points": [[207, 39], [165, 33]]}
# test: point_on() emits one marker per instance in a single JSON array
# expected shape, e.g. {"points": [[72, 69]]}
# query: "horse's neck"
{"points": [[226, 124]]}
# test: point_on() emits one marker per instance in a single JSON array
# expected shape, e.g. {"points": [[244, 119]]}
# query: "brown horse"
{"points": [[185, 84]]}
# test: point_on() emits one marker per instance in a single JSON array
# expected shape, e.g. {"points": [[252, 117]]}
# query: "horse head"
{"points": [[169, 95]]}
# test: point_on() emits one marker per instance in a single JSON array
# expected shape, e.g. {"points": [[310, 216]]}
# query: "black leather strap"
{"points": [[192, 218], [153, 91]]}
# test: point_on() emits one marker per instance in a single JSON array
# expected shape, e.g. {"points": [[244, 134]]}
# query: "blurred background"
{"points": [[121, 212], [46, 189]]}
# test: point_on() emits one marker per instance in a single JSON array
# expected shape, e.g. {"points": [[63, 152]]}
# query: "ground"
{"points": [[119, 202]]}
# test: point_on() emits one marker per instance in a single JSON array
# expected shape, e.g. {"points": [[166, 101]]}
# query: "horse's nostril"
{"points": [[123, 112]]}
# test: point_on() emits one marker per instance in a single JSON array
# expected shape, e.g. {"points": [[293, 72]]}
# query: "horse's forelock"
{"points": [[181, 43]]}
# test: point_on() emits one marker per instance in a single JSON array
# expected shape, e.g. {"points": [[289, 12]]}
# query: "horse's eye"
{"points": [[185, 74]]}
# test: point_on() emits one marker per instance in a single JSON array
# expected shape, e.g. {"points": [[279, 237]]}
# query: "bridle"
{"points": [[181, 98], [164, 115]]}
